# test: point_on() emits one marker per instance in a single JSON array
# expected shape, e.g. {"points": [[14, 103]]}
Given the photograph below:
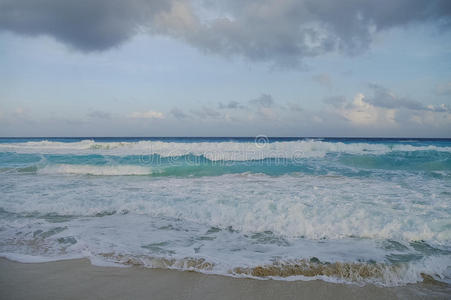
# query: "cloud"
{"points": [[86, 25], [384, 109], [323, 79], [295, 107], [178, 113], [206, 112], [281, 32], [361, 112], [383, 97], [147, 115], [231, 105], [97, 114], [284, 32], [263, 107], [265, 100], [431, 118], [439, 108]]}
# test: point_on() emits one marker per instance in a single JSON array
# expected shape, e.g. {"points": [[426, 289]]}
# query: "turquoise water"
{"points": [[352, 210]]}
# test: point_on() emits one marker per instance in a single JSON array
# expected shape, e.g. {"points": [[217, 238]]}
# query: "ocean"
{"points": [[343, 210]]}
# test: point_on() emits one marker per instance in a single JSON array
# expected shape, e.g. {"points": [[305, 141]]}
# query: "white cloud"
{"points": [[361, 112], [389, 113], [147, 115]]}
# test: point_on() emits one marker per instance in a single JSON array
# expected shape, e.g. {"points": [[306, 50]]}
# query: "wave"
{"points": [[362, 211], [431, 165], [303, 206], [95, 170], [431, 270], [353, 272], [214, 151], [308, 269]]}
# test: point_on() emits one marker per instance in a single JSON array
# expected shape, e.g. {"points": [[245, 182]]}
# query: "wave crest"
{"points": [[237, 151], [108, 170]]}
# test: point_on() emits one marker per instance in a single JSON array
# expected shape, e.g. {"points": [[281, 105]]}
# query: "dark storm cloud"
{"points": [[87, 25], [282, 32]]}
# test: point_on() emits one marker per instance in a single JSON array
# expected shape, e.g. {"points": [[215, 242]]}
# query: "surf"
{"points": [[356, 211]]}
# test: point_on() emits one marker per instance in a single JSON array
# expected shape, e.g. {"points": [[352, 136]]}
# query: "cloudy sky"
{"points": [[225, 68]]}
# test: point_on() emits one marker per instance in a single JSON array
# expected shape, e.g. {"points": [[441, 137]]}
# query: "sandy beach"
{"points": [[78, 279]]}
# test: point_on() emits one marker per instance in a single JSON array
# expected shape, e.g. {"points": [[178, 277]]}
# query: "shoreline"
{"points": [[79, 279]]}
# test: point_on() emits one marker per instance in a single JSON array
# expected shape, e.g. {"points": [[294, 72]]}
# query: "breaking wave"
{"points": [[95, 170], [227, 150], [359, 211]]}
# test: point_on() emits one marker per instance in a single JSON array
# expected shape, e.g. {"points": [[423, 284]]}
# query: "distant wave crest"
{"points": [[227, 151]]}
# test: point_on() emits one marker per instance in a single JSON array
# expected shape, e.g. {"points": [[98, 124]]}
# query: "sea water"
{"points": [[347, 210]]}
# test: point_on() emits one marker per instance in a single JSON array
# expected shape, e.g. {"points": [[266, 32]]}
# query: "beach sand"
{"points": [[78, 279]]}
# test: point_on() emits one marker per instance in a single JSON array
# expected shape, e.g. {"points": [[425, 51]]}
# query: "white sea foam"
{"points": [[214, 150], [26, 258], [120, 240], [313, 207], [107, 170], [395, 220]]}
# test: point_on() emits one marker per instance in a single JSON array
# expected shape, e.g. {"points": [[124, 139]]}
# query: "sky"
{"points": [[225, 68]]}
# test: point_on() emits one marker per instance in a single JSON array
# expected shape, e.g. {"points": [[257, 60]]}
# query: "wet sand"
{"points": [[78, 279]]}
